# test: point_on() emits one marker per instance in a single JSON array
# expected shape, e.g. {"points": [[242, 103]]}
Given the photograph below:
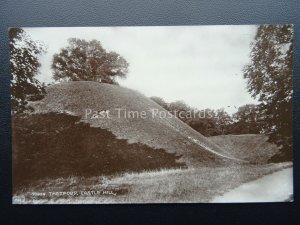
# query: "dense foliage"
{"points": [[88, 61], [270, 79], [24, 65], [209, 122]]}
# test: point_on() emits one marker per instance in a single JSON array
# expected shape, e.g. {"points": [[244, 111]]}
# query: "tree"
{"points": [[269, 78], [180, 110], [88, 61], [247, 120], [24, 65], [223, 121], [204, 122]]}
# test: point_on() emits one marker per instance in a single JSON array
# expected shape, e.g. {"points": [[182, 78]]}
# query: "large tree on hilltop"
{"points": [[269, 78], [24, 65], [85, 60]]}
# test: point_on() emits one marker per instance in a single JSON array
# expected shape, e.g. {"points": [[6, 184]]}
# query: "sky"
{"points": [[200, 65]]}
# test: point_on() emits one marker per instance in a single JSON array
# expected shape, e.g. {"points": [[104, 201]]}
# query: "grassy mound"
{"points": [[154, 131], [58, 145], [250, 147]]}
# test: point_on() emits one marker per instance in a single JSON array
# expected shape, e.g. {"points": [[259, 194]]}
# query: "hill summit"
{"points": [[132, 116]]}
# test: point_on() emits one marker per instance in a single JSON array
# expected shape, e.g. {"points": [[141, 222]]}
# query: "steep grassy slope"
{"points": [[56, 145], [250, 147], [171, 134]]}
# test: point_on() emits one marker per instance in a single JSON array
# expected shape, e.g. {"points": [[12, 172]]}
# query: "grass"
{"points": [[56, 145], [67, 161], [157, 132], [199, 184], [249, 147]]}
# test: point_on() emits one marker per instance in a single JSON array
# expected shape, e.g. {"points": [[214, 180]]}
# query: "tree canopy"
{"points": [[24, 65], [247, 120], [269, 78], [85, 60], [208, 122]]}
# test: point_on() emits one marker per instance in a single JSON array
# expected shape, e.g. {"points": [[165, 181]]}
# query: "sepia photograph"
{"points": [[152, 114]]}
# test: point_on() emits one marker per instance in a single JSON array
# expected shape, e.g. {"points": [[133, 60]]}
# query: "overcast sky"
{"points": [[201, 65]]}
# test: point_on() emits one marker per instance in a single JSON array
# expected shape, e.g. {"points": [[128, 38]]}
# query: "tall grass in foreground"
{"points": [[164, 186]]}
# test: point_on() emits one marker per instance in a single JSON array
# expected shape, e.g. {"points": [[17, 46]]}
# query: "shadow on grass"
{"points": [[56, 145]]}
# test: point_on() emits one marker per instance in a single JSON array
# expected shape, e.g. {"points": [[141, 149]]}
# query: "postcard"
{"points": [[165, 114]]}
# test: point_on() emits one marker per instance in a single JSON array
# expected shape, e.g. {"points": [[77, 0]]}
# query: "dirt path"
{"points": [[275, 187]]}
